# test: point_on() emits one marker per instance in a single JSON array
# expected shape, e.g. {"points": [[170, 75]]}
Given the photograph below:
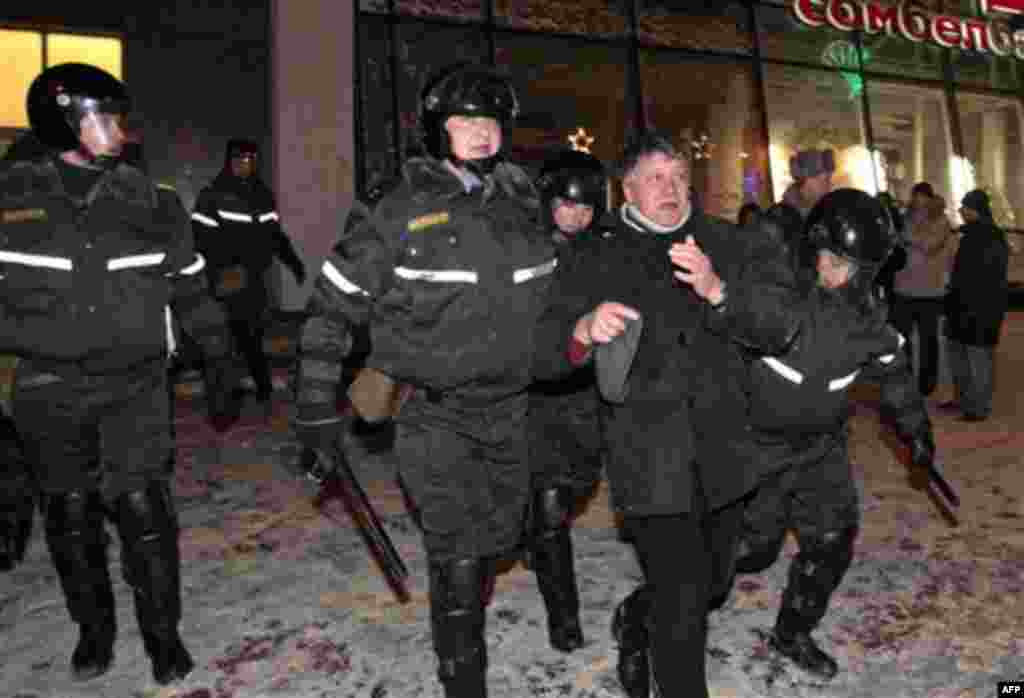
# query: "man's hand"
{"points": [[604, 323], [695, 269]]}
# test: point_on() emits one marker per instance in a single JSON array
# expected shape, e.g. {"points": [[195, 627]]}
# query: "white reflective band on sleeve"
{"points": [[339, 280], [136, 260], [521, 275], [437, 275], [787, 372], [237, 217], [272, 216], [36, 260], [169, 322], [195, 267], [903, 340], [887, 358], [840, 383], [205, 220]]}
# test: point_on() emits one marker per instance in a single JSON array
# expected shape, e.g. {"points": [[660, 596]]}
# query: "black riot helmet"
{"points": [[854, 225], [573, 175], [62, 96], [465, 90]]}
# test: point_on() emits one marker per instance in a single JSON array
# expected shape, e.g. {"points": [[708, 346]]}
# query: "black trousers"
{"points": [[908, 312], [248, 329], [687, 561], [107, 433]]}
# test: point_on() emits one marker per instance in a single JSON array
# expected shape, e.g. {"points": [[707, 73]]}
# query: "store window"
{"points": [[25, 53], [590, 17], [975, 69], [566, 89], [721, 26], [895, 55], [711, 107], [911, 130], [993, 132], [782, 36], [815, 109], [22, 53]]}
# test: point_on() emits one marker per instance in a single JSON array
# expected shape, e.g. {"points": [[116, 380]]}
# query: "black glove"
{"points": [[922, 449], [299, 272], [320, 440]]}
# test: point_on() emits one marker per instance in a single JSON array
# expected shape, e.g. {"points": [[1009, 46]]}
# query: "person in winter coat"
{"points": [[564, 418], [676, 487], [451, 271], [975, 307], [812, 172], [799, 408], [920, 287], [238, 229], [95, 259]]}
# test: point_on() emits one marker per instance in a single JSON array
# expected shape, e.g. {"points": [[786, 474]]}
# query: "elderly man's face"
{"points": [[659, 187]]}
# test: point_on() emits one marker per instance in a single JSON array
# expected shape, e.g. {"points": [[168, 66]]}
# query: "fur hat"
{"points": [[810, 163]]}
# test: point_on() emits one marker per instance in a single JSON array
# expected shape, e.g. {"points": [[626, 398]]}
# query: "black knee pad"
{"points": [[551, 508], [78, 513], [827, 556], [147, 513], [457, 585]]}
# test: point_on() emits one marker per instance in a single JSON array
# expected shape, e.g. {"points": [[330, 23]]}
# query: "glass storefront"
{"points": [[742, 84]]}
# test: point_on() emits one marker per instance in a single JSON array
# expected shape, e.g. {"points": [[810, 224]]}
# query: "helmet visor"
{"points": [[101, 133]]}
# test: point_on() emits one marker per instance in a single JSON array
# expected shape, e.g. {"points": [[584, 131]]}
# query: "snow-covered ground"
{"points": [[282, 600]]}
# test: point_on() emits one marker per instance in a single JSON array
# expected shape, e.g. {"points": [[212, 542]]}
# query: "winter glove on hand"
{"points": [[922, 449]]}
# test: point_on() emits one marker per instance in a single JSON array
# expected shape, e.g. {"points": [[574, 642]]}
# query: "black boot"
{"points": [[149, 534], [457, 615], [805, 653], [813, 576], [552, 561], [631, 632], [78, 546]]}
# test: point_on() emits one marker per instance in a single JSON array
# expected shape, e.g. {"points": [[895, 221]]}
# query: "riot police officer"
{"points": [[451, 269], [237, 229], [799, 411], [564, 420], [94, 255]]}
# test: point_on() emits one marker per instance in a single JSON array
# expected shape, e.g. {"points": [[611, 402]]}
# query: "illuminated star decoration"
{"points": [[702, 147], [581, 141]]}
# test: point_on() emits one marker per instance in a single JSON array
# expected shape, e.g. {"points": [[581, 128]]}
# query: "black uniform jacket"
{"points": [[670, 439], [87, 287], [236, 224], [451, 284], [977, 299], [801, 396]]}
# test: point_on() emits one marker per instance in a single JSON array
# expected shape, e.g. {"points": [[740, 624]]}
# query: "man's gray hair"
{"points": [[644, 142]]}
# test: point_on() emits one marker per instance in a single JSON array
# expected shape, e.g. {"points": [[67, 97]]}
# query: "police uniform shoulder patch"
{"points": [[428, 220], [23, 215]]}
